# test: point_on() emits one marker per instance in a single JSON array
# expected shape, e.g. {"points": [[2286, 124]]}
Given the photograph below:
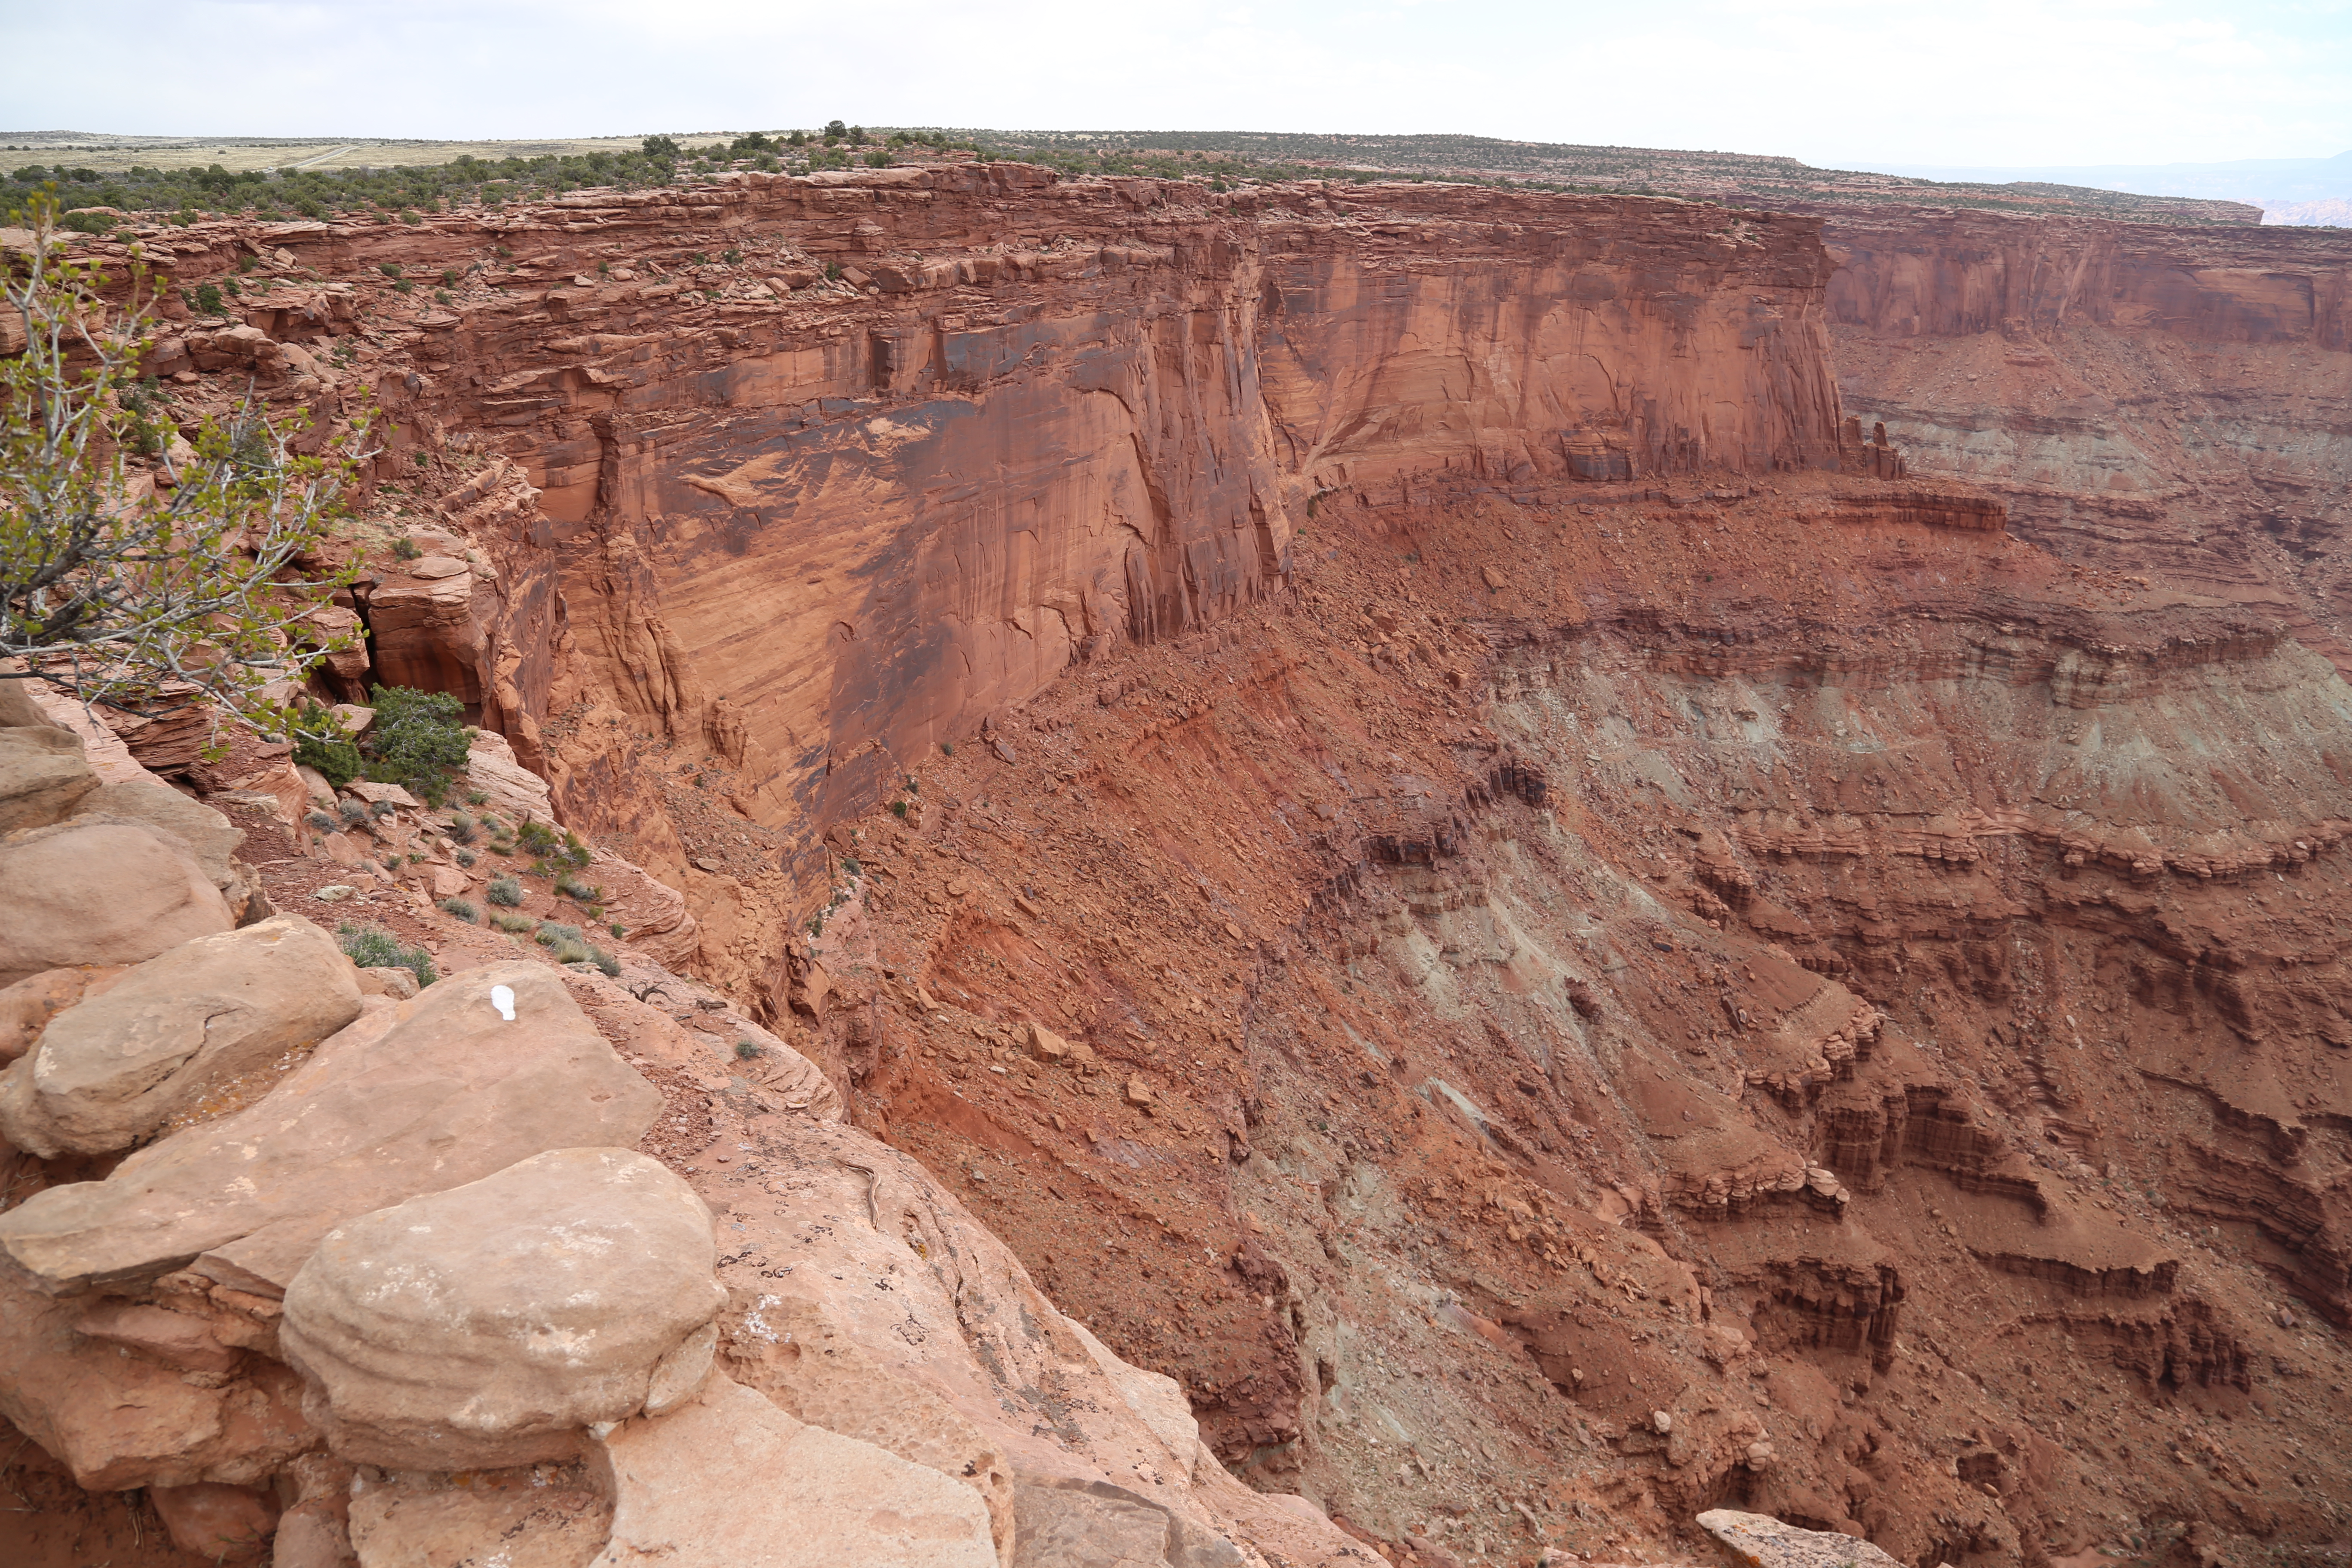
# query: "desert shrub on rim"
{"points": [[115, 590]]}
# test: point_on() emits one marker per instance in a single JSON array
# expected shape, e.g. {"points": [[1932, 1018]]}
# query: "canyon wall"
{"points": [[1555, 964], [2142, 397], [824, 523]]}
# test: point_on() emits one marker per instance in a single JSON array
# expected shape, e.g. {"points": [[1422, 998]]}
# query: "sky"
{"points": [[2026, 82]]}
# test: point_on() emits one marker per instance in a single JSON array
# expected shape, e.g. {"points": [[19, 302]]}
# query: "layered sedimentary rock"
{"points": [[823, 525], [1556, 965], [2145, 398]]}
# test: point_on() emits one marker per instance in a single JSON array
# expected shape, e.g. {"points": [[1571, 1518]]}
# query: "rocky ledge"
{"points": [[337, 1269]]}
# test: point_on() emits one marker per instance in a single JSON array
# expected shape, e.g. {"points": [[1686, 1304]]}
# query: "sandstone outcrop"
{"points": [[99, 891], [108, 1071], [1760, 1541], [484, 1325], [1600, 967], [677, 1485], [412, 1098], [42, 776]]}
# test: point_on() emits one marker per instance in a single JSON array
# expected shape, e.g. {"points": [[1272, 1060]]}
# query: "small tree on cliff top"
{"points": [[127, 589]]}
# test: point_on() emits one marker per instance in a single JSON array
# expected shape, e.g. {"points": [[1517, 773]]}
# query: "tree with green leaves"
{"points": [[128, 588]]}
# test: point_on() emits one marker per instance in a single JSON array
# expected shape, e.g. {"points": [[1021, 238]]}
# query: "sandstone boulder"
{"points": [[218, 1523], [727, 1480], [484, 1325], [125, 1399], [18, 708], [1760, 1541], [413, 1097], [26, 1008], [42, 776], [109, 891], [111, 1069], [208, 835]]}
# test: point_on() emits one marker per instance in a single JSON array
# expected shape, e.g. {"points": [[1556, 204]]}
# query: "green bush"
{"points": [[370, 947], [747, 1050], [659, 147], [572, 887], [605, 962], [418, 741], [207, 301], [461, 909], [87, 222], [563, 848], [504, 891]]}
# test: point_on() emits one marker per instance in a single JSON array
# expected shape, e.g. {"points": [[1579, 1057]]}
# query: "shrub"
{"points": [[877, 159], [461, 909], [505, 891], [605, 961], [370, 947], [747, 1050], [381, 808], [207, 301], [390, 269], [572, 887], [465, 858], [475, 798], [550, 932], [406, 549], [617, 929], [418, 741], [659, 147], [320, 820], [898, 809], [513, 925], [87, 222], [353, 810], [461, 828]]}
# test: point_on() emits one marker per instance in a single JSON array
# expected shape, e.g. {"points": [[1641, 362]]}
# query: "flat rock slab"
{"points": [[112, 1070], [727, 1480], [1760, 1541], [99, 891], [413, 1096], [484, 1325], [1067, 1522], [507, 1520]]}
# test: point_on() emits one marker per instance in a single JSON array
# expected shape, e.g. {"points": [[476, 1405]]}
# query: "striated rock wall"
{"points": [[820, 523], [2145, 398]]}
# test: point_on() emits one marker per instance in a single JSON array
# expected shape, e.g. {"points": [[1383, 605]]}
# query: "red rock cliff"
{"points": [[828, 525], [2144, 397]]}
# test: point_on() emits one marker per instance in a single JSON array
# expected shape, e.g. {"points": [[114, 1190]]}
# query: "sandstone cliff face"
{"points": [[824, 526], [2144, 397]]}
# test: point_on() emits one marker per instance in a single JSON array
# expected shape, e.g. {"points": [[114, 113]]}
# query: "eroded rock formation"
{"points": [[1382, 793]]}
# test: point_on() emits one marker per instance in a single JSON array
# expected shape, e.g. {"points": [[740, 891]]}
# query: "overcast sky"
{"points": [[1857, 84]]}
